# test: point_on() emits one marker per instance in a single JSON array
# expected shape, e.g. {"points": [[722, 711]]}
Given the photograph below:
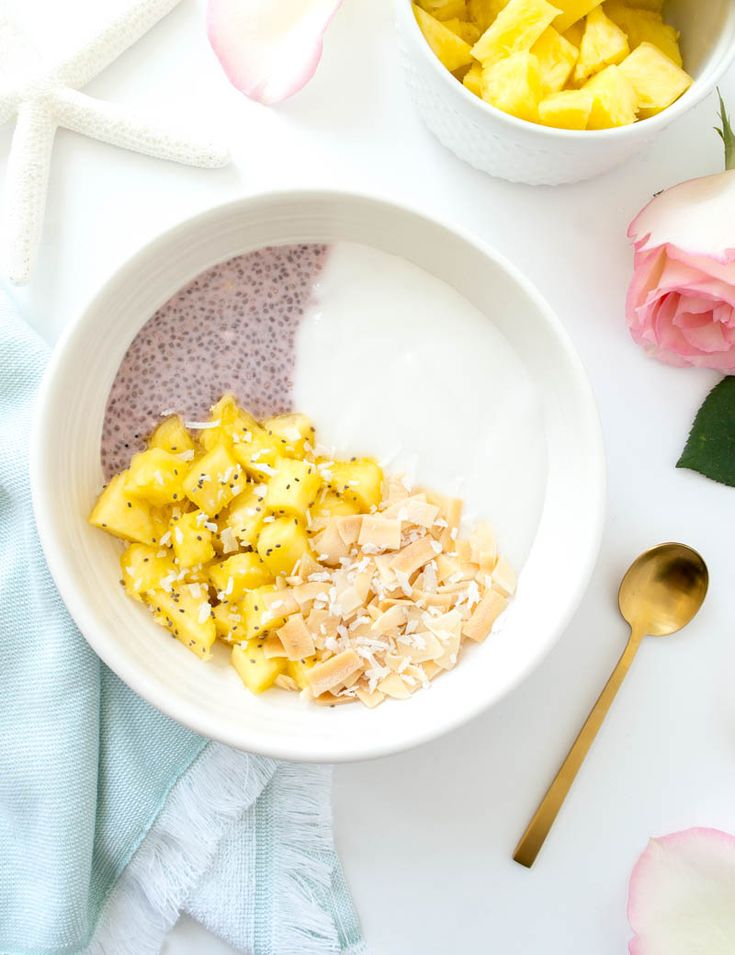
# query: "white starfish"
{"points": [[44, 98]]}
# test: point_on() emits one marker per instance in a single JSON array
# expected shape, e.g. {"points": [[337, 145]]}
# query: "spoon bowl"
{"points": [[663, 589]]}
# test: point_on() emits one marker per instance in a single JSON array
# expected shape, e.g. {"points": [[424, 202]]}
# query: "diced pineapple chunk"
{"points": [[568, 109], [120, 513], [468, 31], [258, 454], [294, 433], [572, 11], [188, 617], [655, 5], [331, 504], [191, 540], [603, 44], [214, 480], [298, 669], [615, 102], [172, 436], [244, 516], [254, 670], [259, 617], [556, 57], [143, 568], [281, 544], [514, 85], [451, 49], [473, 79], [241, 572], [656, 79], [483, 12], [234, 424], [293, 488], [358, 480], [575, 33], [157, 476], [645, 26], [445, 9], [515, 30], [229, 621]]}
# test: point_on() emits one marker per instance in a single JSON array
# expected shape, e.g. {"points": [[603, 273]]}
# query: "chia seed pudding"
{"points": [[232, 329]]}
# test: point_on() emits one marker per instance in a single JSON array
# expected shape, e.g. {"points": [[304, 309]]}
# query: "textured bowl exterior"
{"points": [[518, 151], [489, 144]]}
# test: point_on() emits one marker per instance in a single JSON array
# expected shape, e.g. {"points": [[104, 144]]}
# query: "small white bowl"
{"points": [[513, 149], [66, 476]]}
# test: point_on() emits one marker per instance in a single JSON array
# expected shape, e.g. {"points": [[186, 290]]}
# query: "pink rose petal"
{"points": [[269, 49], [725, 271], [681, 898], [708, 338], [696, 216]]}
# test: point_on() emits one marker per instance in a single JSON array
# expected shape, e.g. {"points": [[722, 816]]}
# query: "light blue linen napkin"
{"points": [[113, 818]]}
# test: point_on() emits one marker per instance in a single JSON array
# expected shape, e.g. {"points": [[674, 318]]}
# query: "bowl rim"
{"points": [[640, 129], [137, 677]]}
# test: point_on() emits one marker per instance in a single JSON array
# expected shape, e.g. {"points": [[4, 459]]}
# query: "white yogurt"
{"points": [[395, 363]]}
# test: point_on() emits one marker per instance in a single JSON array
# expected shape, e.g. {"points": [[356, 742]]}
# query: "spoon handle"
{"points": [[538, 828]]}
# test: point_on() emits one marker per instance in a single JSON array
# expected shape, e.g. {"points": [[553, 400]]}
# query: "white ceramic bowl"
{"points": [[514, 149], [66, 476]]}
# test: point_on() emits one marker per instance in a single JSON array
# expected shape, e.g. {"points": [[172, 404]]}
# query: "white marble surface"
{"points": [[426, 837]]}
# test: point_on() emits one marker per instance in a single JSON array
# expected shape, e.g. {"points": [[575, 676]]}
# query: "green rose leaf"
{"points": [[726, 134], [711, 445]]}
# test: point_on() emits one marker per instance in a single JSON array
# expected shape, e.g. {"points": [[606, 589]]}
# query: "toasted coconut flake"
{"points": [[371, 700], [297, 641], [441, 601], [383, 565], [444, 626], [333, 672], [413, 510], [305, 594], [451, 512], [454, 569], [329, 699], [281, 603], [351, 680], [483, 549], [425, 647], [432, 669], [394, 687], [349, 528], [391, 619], [395, 490], [307, 566], [408, 560], [348, 601], [272, 647], [329, 544], [450, 642], [322, 624], [484, 616], [286, 682], [381, 532], [504, 577]]}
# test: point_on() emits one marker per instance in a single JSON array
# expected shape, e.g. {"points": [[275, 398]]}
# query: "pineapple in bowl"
{"points": [[578, 64], [516, 86]]}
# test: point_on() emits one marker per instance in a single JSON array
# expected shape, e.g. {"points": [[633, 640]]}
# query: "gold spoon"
{"points": [[661, 592]]}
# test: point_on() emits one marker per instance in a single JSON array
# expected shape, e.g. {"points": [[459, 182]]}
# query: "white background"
{"points": [[426, 837]]}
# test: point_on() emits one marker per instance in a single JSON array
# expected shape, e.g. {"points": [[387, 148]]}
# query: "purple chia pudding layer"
{"points": [[232, 329]]}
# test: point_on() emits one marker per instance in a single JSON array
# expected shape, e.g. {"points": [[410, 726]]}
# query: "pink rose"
{"points": [[681, 301]]}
